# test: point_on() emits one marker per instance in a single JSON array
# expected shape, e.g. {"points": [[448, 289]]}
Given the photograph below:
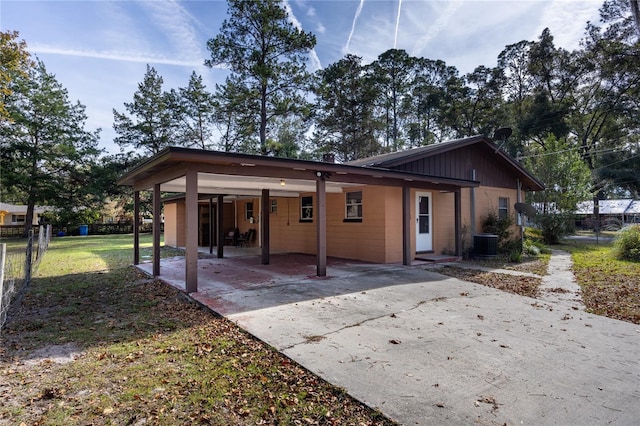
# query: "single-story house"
{"points": [[613, 213], [390, 208], [12, 215]]}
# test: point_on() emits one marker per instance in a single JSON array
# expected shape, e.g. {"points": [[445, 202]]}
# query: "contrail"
{"points": [[353, 26], [117, 56], [313, 55], [395, 38], [441, 23]]}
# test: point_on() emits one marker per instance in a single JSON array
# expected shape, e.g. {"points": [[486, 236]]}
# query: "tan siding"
{"points": [[393, 228], [443, 222], [357, 240], [170, 225], [287, 233]]}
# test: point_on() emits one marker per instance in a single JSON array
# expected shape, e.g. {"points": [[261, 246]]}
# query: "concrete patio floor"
{"points": [[429, 349]]}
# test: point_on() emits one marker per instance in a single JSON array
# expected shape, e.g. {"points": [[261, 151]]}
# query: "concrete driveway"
{"points": [[428, 349]]}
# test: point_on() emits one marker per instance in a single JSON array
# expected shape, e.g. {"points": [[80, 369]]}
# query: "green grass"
{"points": [[610, 287], [146, 354]]}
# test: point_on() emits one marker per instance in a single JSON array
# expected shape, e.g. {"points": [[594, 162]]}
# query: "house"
{"points": [[613, 213], [390, 208], [11, 214]]}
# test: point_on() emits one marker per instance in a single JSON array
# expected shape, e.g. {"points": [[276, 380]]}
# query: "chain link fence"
{"points": [[17, 264]]}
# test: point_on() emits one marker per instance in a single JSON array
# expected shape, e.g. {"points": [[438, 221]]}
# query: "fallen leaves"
{"points": [[158, 359], [522, 285]]}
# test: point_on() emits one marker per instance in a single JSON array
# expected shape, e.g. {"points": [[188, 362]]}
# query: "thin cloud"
{"points": [[567, 21], [353, 26], [439, 25], [179, 26], [395, 37]]}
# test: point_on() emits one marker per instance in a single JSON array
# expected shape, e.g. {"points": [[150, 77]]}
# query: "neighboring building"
{"points": [[613, 213], [386, 209], [15, 215]]}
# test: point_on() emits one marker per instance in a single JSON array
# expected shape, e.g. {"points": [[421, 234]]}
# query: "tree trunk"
{"points": [[28, 220]]}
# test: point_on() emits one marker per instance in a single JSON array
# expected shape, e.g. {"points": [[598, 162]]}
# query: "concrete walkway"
{"points": [[559, 285], [429, 349]]}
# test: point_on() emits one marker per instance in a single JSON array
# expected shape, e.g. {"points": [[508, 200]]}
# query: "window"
{"points": [[18, 218], [353, 206], [306, 209], [248, 210], [274, 206], [503, 208]]}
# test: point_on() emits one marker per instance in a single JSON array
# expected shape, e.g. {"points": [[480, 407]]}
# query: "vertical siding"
{"points": [[458, 164]]}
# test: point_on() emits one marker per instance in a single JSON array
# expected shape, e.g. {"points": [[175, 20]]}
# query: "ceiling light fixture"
{"points": [[281, 182]]}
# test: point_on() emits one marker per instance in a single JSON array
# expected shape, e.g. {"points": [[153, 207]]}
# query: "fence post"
{"points": [[40, 241], [48, 238], [3, 259]]}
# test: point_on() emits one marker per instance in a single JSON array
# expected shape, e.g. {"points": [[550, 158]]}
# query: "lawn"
{"points": [[97, 342], [610, 287]]}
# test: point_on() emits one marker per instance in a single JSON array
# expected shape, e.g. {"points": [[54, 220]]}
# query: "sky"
{"points": [[99, 50]]}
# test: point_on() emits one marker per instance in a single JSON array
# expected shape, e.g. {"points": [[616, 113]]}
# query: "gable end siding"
{"points": [[459, 163]]}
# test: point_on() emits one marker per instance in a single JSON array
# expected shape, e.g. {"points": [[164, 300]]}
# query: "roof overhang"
{"points": [[244, 174]]}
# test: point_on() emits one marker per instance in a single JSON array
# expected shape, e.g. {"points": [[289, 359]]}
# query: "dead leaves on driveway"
{"points": [[522, 285]]}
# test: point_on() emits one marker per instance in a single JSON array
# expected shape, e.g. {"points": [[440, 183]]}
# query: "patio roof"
{"points": [[245, 174]]}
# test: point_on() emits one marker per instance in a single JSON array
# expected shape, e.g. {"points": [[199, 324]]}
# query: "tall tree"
{"points": [[566, 180], [345, 105], [474, 107], [235, 116], [267, 54], [605, 121], [423, 109], [15, 60], [149, 126], [393, 71], [555, 75], [46, 152], [192, 108], [517, 89]]}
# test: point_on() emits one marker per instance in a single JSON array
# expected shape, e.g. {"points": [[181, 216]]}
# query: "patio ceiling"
{"points": [[211, 183]]}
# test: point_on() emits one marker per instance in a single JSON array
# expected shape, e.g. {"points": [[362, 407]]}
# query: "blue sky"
{"points": [[99, 49]]}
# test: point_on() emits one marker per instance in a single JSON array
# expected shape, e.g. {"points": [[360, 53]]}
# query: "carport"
{"points": [[197, 173]]}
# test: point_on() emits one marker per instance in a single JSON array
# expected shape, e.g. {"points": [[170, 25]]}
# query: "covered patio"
{"points": [[221, 176]]}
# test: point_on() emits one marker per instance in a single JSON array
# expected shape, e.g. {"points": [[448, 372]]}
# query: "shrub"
{"points": [[531, 248], [533, 234], [555, 226], [493, 224], [627, 243]]}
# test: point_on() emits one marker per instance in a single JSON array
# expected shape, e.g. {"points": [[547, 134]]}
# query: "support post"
{"points": [[457, 198], [191, 228], [156, 229], [220, 224], [406, 225], [136, 228], [264, 225], [211, 225], [321, 227], [472, 206]]}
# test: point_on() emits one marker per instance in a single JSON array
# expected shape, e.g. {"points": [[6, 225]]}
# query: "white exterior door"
{"points": [[424, 238]]}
